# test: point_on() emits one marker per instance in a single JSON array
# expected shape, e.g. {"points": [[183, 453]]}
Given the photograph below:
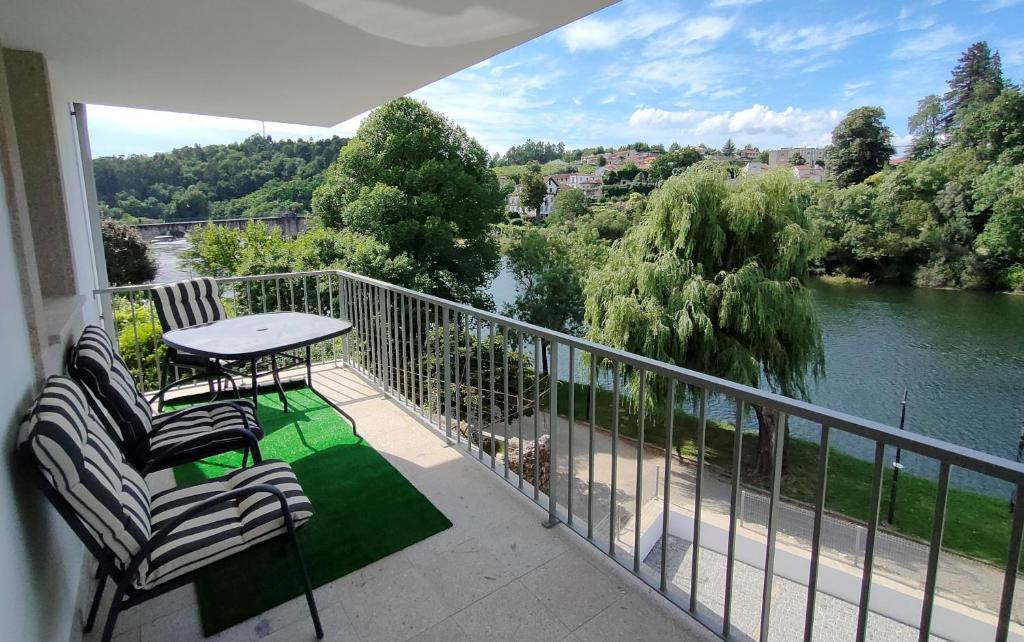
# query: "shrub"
{"points": [[127, 255]]}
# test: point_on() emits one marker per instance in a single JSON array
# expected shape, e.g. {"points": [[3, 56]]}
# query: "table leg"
{"points": [[277, 381], [309, 384], [255, 387]]}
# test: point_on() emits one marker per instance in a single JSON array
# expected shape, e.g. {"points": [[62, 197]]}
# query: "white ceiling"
{"points": [[313, 62]]}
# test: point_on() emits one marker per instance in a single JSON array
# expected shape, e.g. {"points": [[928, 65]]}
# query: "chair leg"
{"points": [[164, 373], [245, 457], [100, 585], [115, 610], [310, 600]]}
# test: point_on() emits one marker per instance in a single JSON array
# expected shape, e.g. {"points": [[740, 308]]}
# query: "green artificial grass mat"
{"points": [[363, 508]]}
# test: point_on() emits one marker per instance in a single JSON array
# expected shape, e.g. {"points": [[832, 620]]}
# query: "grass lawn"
{"points": [[976, 525]]}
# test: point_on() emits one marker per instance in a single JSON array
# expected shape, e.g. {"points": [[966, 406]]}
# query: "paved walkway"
{"points": [[972, 584]]}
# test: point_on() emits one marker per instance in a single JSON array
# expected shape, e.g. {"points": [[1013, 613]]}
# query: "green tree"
{"points": [[926, 127], [860, 146], [797, 159], [762, 157], [418, 184], [549, 265], [532, 190], [729, 148], [977, 79], [127, 255], [570, 204], [213, 250], [673, 162], [712, 279]]}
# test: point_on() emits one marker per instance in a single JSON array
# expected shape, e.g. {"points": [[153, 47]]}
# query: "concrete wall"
{"points": [[41, 559], [290, 224]]}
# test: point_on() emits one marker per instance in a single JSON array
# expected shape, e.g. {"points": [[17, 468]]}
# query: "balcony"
{"points": [[451, 395]]}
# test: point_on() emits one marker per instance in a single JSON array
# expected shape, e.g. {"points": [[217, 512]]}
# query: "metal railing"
{"points": [[478, 378]]}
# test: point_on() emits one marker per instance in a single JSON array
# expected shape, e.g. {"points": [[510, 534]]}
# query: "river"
{"points": [[959, 354]]}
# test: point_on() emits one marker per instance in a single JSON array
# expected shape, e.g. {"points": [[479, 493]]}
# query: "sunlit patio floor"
{"points": [[497, 574]]}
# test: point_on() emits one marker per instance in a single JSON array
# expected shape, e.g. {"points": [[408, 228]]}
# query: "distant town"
{"points": [[611, 176]]}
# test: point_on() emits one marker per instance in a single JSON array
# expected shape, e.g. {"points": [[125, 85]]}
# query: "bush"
{"points": [[127, 255]]}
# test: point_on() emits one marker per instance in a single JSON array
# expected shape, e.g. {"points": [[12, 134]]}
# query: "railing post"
{"points": [[447, 376], [552, 439]]}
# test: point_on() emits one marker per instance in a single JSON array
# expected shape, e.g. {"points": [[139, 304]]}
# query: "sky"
{"points": [[771, 73]]}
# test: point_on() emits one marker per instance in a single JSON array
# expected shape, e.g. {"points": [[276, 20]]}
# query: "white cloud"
{"points": [[996, 5], [1012, 51], [734, 3], [576, 100], [604, 33], [662, 118], [824, 37], [851, 88], [793, 126], [691, 36], [907, 20], [929, 42], [607, 100]]}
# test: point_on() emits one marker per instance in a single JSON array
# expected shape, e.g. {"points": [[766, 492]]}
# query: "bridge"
{"points": [[289, 223]]}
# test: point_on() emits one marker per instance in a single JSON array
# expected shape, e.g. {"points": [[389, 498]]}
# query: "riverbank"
{"points": [[977, 526]]}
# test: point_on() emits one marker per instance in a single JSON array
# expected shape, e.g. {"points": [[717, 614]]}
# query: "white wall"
{"points": [[40, 557]]}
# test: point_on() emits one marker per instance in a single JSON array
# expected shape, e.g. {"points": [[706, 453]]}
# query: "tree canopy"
{"points": [[256, 177], [419, 185], [860, 146], [127, 255], [977, 78], [711, 279]]}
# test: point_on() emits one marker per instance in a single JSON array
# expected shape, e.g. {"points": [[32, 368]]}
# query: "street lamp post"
{"points": [[896, 465]]}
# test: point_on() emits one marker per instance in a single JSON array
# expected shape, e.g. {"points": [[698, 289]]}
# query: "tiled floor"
{"points": [[497, 574]]}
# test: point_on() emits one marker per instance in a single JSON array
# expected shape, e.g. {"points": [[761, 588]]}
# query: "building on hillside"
{"points": [[755, 168], [899, 160], [514, 201], [814, 173], [621, 158], [780, 157], [589, 184], [748, 153]]}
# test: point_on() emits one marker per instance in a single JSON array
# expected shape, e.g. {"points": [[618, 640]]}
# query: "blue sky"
{"points": [[766, 72]]}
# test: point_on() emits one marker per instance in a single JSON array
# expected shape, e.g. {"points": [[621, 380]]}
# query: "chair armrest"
{"points": [[196, 377], [157, 462], [158, 538]]}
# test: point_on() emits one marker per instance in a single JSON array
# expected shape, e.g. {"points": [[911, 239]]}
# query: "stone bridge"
{"points": [[291, 224]]}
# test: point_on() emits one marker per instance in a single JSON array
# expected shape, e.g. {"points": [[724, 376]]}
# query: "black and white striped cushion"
{"points": [[65, 440], [225, 528], [188, 303], [95, 363], [210, 421]]}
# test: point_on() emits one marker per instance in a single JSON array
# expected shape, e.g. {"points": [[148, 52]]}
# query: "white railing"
{"points": [[475, 376]]}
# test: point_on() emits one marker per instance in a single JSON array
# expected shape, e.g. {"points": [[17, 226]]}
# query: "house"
{"points": [[590, 184], [642, 544], [755, 168], [748, 153], [809, 172], [781, 157]]}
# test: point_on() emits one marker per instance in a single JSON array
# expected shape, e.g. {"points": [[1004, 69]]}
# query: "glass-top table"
{"points": [[249, 338]]}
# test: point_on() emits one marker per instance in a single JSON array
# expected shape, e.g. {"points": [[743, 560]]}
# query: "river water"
{"points": [[960, 355]]}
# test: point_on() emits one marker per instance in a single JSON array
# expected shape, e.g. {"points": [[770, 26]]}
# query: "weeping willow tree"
{"points": [[711, 279]]}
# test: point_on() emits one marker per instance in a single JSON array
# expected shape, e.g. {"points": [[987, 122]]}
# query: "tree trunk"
{"points": [[766, 422]]}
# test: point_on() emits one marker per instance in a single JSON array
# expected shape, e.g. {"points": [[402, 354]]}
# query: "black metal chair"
{"points": [[148, 544], [153, 442]]}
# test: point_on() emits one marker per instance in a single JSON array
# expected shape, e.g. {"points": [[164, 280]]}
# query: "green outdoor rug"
{"points": [[363, 510]]}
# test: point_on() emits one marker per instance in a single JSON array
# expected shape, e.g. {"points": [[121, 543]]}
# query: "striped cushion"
{"points": [[188, 303], [95, 363], [205, 421], [83, 464], [226, 528]]}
